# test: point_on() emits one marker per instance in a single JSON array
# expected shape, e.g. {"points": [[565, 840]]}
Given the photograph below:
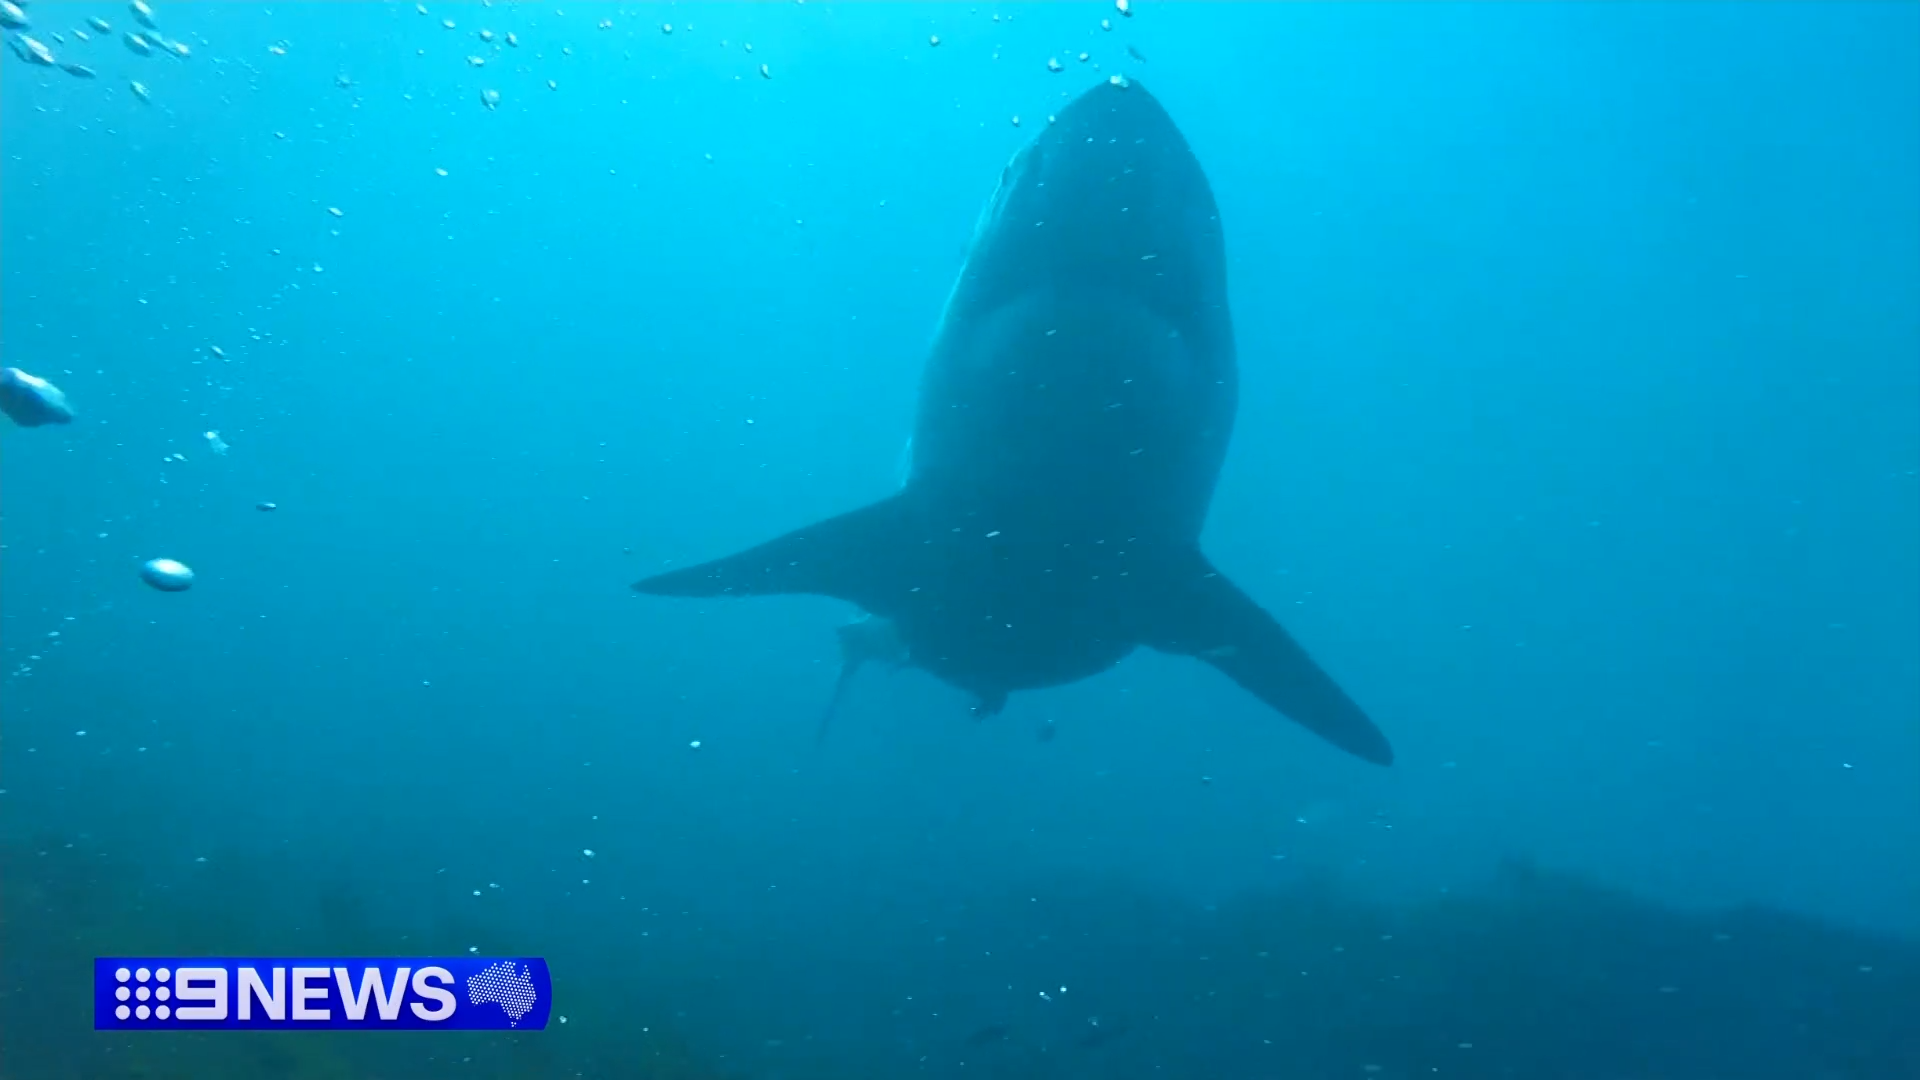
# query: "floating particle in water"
{"points": [[490, 98], [749, 46], [12, 17], [343, 81], [215, 443], [143, 14], [1106, 24], [167, 575], [694, 745], [266, 507], [1119, 81], [448, 23], [666, 28], [143, 47], [1124, 7], [477, 61], [79, 71], [934, 40], [588, 852], [33, 51], [336, 211], [1054, 64], [218, 352], [179, 49], [485, 35], [764, 73], [140, 90], [1083, 57], [421, 8], [551, 85], [606, 24], [100, 25], [32, 401], [1016, 121], [513, 39], [439, 172]]}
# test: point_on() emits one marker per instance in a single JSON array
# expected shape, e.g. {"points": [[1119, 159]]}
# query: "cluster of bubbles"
{"points": [[31, 401], [146, 40]]}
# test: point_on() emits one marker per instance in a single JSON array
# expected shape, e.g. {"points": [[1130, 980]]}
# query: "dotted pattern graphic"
{"points": [[507, 986], [142, 993]]}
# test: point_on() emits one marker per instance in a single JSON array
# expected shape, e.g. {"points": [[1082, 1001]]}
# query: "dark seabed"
{"points": [[1578, 438]]}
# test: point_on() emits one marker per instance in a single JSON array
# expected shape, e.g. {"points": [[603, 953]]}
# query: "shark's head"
{"points": [[1110, 194]]}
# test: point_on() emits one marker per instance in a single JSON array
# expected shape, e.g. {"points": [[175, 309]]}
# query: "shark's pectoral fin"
{"points": [[858, 557], [1192, 609]]}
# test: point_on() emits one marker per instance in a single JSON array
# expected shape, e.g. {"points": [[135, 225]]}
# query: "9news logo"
{"points": [[461, 993]]}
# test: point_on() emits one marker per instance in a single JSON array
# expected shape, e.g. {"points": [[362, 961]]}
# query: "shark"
{"points": [[1074, 411]]}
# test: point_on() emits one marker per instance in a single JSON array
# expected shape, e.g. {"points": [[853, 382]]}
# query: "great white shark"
{"points": [[1073, 415]]}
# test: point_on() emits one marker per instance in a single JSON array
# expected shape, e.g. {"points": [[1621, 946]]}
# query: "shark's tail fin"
{"points": [[1195, 611]]}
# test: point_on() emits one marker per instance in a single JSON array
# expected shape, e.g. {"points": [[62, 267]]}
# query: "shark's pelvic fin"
{"points": [[857, 557], [840, 686], [1192, 609], [867, 638]]}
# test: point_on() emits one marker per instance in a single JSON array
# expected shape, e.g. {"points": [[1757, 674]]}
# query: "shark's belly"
{"points": [[1074, 414], [987, 662], [1005, 617]]}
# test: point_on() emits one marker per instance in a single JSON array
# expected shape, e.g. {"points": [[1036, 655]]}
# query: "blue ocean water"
{"points": [[1579, 436]]}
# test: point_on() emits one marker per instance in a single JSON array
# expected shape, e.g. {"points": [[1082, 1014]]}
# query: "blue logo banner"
{"points": [[448, 993]]}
